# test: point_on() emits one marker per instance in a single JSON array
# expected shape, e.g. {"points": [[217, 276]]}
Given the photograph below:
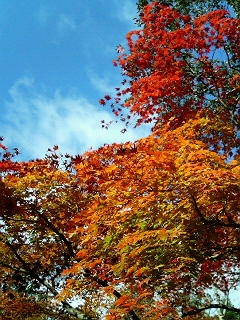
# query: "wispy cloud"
{"points": [[101, 82], [35, 121], [126, 10]]}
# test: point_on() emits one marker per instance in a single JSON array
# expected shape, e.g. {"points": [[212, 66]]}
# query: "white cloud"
{"points": [[35, 121], [101, 83]]}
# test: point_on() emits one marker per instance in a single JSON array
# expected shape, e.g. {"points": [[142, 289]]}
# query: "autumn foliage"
{"points": [[146, 229], [162, 222], [173, 67]]}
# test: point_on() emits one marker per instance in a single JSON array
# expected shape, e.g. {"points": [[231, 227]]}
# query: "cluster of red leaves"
{"points": [[161, 81], [6, 163]]}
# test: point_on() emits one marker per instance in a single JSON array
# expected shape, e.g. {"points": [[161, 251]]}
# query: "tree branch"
{"points": [[117, 294], [59, 234], [215, 222], [71, 310], [195, 310], [229, 60], [20, 220], [73, 254]]}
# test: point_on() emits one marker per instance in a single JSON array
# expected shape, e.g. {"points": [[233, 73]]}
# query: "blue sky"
{"points": [[56, 63]]}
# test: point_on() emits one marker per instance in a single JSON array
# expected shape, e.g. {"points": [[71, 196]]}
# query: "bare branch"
{"points": [[216, 222], [195, 310]]}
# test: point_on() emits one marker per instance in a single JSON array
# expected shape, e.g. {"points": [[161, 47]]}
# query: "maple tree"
{"points": [[140, 230], [36, 204], [163, 223], [178, 65]]}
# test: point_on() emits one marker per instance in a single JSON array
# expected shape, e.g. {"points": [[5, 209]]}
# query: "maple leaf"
{"points": [[120, 49], [3, 147], [102, 102]]}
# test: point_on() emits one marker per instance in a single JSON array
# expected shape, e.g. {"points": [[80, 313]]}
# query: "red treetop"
{"points": [[169, 70]]}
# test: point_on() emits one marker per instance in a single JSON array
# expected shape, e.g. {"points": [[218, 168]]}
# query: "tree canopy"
{"points": [[146, 229], [178, 65], [196, 7]]}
